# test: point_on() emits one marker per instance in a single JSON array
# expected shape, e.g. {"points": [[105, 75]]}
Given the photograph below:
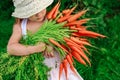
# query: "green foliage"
{"points": [[106, 14], [22, 68], [51, 30]]}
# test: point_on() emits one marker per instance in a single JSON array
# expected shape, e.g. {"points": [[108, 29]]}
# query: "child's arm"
{"points": [[15, 48]]}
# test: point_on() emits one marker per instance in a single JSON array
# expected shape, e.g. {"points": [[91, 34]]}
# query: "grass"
{"points": [[105, 60]]}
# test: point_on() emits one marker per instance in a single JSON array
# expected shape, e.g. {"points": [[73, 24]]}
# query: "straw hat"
{"points": [[27, 8]]}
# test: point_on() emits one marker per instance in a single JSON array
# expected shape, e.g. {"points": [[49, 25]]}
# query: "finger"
{"points": [[47, 55], [51, 54]]}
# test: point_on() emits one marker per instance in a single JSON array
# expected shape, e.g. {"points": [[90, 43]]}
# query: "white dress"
{"points": [[53, 62]]}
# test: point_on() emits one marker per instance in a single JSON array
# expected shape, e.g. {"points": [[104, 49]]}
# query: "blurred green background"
{"points": [[106, 13]]}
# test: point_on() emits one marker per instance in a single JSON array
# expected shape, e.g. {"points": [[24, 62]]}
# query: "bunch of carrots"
{"points": [[75, 44]]}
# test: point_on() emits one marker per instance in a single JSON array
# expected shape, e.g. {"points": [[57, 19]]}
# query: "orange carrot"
{"points": [[75, 34], [81, 27], [83, 39], [71, 10], [70, 42], [78, 58], [79, 42], [61, 16], [73, 44], [79, 22], [76, 16], [76, 47], [84, 56], [90, 33], [50, 14], [74, 28], [71, 63], [60, 70], [57, 44], [83, 47], [56, 12], [65, 11], [64, 47], [65, 67], [61, 19], [80, 52], [71, 57], [75, 23], [67, 39]]}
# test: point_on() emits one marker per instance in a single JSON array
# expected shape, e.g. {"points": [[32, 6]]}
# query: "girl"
{"points": [[30, 15]]}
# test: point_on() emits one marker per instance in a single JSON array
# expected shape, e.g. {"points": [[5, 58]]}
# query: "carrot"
{"points": [[79, 22], [50, 14], [74, 28], [83, 39], [65, 11], [76, 16], [79, 42], [81, 27], [56, 12], [67, 39], [61, 19], [85, 57], [64, 47], [80, 47], [57, 44], [75, 23], [61, 16], [71, 63], [70, 42], [60, 70], [71, 10], [80, 52], [85, 49], [75, 34], [78, 58], [76, 48], [75, 42], [71, 57], [90, 33], [65, 67]]}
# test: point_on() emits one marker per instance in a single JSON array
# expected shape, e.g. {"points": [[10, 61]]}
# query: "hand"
{"points": [[49, 51], [40, 47]]}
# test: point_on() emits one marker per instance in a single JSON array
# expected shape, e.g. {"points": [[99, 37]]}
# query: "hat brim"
{"points": [[33, 8]]}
